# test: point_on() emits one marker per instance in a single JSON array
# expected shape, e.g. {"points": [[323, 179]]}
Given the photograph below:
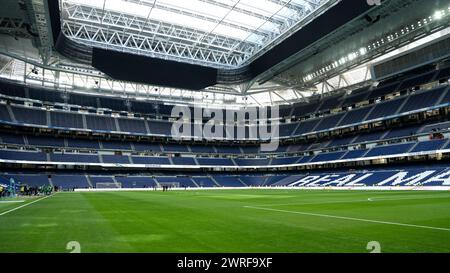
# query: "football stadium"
{"points": [[225, 126]]}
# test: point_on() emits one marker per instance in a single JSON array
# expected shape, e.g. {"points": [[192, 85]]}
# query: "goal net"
{"points": [[108, 185]]}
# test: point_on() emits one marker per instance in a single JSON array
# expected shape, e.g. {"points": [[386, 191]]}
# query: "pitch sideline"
{"points": [[24, 205]]}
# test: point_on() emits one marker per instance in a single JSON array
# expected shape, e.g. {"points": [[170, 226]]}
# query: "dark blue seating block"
{"points": [[120, 159], [22, 155], [83, 143], [136, 181], [31, 180], [150, 160], [202, 149], [337, 142], [306, 127], [431, 145], [284, 161], [116, 145], [385, 109], [355, 116], [149, 147], [215, 162], [254, 181], [402, 132], [354, 154], [70, 181], [11, 89], [204, 181], [11, 138], [4, 114], [132, 125], [183, 161], [117, 104], [252, 162], [229, 181], [160, 127], [328, 156], [82, 100], [228, 150], [45, 141], [329, 122], [417, 80], [423, 99], [390, 149], [30, 116], [101, 123], [66, 120], [45, 95], [74, 158], [179, 148], [100, 179], [369, 137]]}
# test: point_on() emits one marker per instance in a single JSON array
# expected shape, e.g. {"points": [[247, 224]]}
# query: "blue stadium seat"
{"points": [[4, 114], [284, 160], [30, 116], [120, 159], [116, 145], [100, 123], [369, 137], [149, 147], [31, 180], [306, 126], [70, 181], [12, 138], [228, 181], [179, 148], [204, 181], [355, 116], [150, 160], [354, 154], [252, 162], [66, 120], [423, 99], [160, 127], [431, 145], [328, 156], [136, 181], [390, 149], [75, 158], [183, 161], [45, 141], [215, 162], [329, 122], [385, 109], [132, 125], [22, 155]]}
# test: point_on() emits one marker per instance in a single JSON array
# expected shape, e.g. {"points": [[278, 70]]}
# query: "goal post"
{"points": [[104, 185]]}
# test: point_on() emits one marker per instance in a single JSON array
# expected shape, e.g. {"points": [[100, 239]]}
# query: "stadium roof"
{"points": [[216, 33]]}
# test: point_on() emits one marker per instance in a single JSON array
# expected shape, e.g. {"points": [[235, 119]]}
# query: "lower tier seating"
{"points": [[413, 176]]}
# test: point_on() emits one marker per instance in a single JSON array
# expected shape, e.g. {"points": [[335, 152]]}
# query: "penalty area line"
{"points": [[27, 204], [349, 218]]}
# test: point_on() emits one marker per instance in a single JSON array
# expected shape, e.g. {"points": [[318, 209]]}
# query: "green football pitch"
{"points": [[248, 220]]}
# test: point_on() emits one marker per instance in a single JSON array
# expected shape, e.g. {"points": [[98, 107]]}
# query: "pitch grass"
{"points": [[230, 221]]}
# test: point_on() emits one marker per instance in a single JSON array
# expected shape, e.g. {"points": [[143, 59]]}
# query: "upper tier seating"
{"points": [[140, 126]]}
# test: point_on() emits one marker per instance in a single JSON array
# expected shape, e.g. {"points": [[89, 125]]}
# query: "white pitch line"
{"points": [[349, 218], [27, 204], [372, 199], [11, 201]]}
